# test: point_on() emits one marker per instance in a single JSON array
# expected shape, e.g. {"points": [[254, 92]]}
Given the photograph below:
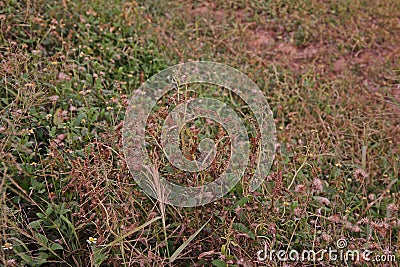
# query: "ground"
{"points": [[330, 71]]}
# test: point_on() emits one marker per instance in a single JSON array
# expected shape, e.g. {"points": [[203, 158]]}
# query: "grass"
{"points": [[329, 69]]}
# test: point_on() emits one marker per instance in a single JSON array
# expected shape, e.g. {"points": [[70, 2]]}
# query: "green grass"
{"points": [[329, 69]]}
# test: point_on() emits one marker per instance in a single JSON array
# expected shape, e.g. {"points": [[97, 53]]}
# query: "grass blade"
{"points": [[186, 243], [133, 231]]}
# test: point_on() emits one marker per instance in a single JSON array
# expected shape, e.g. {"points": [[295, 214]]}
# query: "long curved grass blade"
{"points": [[186, 243], [133, 231]]}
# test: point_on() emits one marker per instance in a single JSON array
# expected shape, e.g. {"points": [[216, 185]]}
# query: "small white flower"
{"points": [[7, 246], [29, 85], [91, 240]]}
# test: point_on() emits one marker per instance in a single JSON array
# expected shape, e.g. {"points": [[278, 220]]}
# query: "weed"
{"points": [[329, 70]]}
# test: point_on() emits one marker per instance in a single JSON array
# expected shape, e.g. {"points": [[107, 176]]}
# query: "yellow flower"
{"points": [[338, 165], [109, 108], [7, 246], [83, 121], [48, 116], [91, 240]]}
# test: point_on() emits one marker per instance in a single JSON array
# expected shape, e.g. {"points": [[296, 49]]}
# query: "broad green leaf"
{"points": [[99, 257], [42, 240], [49, 211], [35, 224], [219, 263], [241, 202], [243, 229], [56, 246], [25, 257]]}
